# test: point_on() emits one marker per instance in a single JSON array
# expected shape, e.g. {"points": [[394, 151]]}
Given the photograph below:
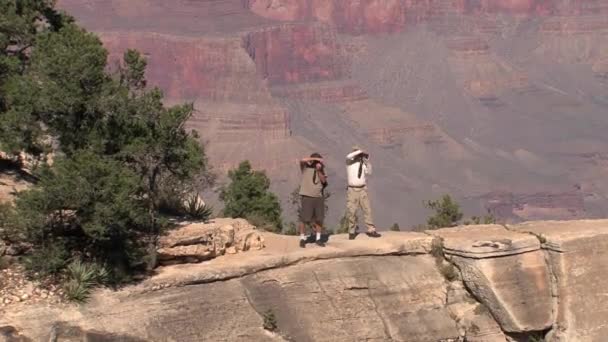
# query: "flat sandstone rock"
{"points": [[578, 260], [506, 270]]}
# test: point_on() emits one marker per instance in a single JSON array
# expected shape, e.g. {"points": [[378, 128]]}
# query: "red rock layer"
{"points": [[329, 92], [217, 74], [482, 74], [354, 17], [527, 7], [193, 68], [296, 53], [566, 205]]}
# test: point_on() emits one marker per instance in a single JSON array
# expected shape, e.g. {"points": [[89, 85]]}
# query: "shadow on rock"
{"points": [[65, 332]]}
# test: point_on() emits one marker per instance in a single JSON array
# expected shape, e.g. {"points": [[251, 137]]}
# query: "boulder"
{"points": [[505, 271], [198, 242], [577, 255]]}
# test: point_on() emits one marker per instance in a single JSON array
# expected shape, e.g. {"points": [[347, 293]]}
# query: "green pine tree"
{"points": [[117, 146], [248, 196], [446, 213]]}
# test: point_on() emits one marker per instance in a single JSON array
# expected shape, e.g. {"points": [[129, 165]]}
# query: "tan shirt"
{"points": [[307, 186]]}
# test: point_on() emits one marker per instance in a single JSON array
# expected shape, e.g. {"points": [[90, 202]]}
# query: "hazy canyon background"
{"points": [[500, 103]]}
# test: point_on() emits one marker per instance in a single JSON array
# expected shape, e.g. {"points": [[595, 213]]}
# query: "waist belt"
{"points": [[357, 186]]}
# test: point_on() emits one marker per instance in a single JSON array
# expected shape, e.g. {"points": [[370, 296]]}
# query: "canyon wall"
{"points": [[536, 280], [469, 97]]}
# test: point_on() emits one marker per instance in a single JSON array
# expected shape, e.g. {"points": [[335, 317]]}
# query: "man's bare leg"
{"points": [[302, 234], [319, 230]]}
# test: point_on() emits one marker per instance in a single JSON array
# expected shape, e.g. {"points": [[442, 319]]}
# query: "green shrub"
{"points": [[118, 143], [419, 228], [448, 271], [47, 260], [4, 263], [437, 249], [446, 212], [261, 222], [343, 226], [395, 227], [195, 209], [248, 196], [536, 338], [7, 223], [170, 201], [82, 278], [291, 229], [270, 321]]}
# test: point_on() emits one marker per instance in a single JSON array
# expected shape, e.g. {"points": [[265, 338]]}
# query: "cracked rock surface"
{"points": [[513, 283]]}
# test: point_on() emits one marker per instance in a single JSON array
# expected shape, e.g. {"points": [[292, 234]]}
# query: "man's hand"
{"points": [[319, 166]]}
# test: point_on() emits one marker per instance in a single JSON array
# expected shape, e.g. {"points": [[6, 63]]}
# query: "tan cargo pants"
{"points": [[357, 198]]}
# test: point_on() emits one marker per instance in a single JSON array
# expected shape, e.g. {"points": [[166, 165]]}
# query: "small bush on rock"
{"points": [[4, 263], [248, 196], [196, 209], [270, 321], [395, 227], [291, 229], [48, 260], [448, 271], [447, 213], [82, 278]]}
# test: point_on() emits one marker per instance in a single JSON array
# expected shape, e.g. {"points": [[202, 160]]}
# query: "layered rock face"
{"points": [[475, 283], [196, 242], [470, 97], [355, 17]]}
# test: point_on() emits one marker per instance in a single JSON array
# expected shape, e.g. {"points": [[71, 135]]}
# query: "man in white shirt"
{"points": [[358, 167]]}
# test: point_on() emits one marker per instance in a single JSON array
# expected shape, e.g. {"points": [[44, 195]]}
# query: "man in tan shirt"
{"points": [[312, 209]]}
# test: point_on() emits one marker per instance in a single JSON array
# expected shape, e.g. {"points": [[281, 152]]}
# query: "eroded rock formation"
{"points": [[474, 283], [468, 97], [196, 242]]}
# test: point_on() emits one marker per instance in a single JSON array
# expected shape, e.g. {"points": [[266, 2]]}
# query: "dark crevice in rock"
{"points": [[10, 334], [532, 336], [260, 313], [387, 332], [330, 299], [62, 331]]}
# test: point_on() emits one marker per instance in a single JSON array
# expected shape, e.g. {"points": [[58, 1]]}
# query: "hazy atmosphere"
{"points": [[500, 103]]}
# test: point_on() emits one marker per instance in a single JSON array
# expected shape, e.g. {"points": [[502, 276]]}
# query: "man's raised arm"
{"points": [[353, 154]]}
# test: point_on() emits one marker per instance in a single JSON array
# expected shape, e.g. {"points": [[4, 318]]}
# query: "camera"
{"points": [[361, 156], [315, 163]]}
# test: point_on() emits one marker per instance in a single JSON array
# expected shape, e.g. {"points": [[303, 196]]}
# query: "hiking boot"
{"points": [[302, 243], [320, 243], [373, 234], [352, 236]]}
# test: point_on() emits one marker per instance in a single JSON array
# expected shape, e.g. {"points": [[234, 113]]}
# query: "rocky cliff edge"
{"points": [[475, 283]]}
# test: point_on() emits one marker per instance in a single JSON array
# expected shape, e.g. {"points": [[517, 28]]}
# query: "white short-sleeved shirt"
{"points": [[352, 170]]}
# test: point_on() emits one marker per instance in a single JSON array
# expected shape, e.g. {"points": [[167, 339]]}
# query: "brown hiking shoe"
{"points": [[373, 234]]}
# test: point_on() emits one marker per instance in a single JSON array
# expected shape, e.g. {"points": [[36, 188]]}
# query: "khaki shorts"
{"points": [[312, 210]]}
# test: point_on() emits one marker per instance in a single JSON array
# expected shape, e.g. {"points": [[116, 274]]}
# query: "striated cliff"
{"points": [[476, 283], [471, 97]]}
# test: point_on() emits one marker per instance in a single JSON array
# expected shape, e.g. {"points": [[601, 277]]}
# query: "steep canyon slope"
{"points": [[500, 103]]}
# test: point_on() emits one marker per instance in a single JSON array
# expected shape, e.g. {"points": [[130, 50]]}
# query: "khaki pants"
{"points": [[357, 198]]}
